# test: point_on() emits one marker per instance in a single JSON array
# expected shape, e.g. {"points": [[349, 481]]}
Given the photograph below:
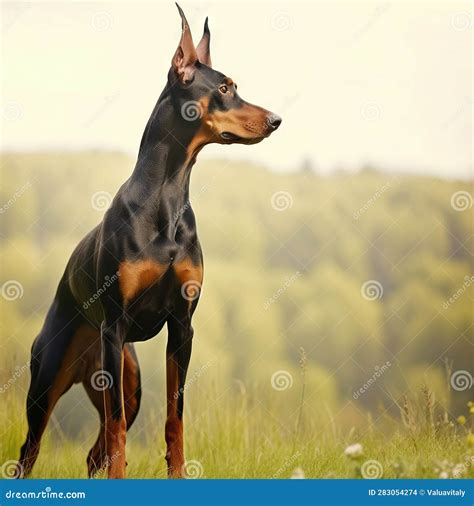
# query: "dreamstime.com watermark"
{"points": [[12, 290], [192, 110], [377, 13], [281, 200], [13, 199], [461, 469], [187, 205], [47, 493], [108, 461], [468, 281], [287, 283], [109, 281], [102, 21], [281, 380], [461, 201], [191, 290], [17, 374], [379, 371], [281, 21], [106, 103], [193, 469], [371, 290], [12, 12], [102, 380], [371, 470], [191, 379], [461, 380], [289, 462], [101, 201], [372, 200]]}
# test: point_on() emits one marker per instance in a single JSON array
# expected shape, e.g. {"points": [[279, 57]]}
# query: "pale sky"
{"points": [[387, 83]]}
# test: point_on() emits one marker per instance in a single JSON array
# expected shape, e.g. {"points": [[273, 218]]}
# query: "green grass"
{"points": [[240, 438]]}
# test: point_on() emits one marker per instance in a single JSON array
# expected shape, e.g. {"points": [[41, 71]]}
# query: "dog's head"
{"points": [[204, 95]]}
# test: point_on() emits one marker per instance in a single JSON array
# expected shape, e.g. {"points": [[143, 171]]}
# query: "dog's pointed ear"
{"points": [[203, 50], [185, 57]]}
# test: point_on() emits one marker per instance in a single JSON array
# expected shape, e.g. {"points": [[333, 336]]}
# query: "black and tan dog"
{"points": [[140, 268]]}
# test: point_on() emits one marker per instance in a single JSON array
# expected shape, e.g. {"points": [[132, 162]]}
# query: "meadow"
{"points": [[239, 436], [336, 311]]}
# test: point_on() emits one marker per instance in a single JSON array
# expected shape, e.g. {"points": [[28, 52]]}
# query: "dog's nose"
{"points": [[274, 121]]}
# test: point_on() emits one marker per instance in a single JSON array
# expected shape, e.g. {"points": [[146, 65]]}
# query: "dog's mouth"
{"points": [[229, 137]]}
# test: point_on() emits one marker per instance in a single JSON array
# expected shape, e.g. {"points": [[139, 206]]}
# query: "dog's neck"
{"points": [[159, 184]]}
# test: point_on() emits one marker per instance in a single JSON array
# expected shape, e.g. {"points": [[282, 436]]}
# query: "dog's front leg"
{"points": [[178, 353], [115, 424]]}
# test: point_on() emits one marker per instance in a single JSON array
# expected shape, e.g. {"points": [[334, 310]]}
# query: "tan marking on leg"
{"points": [[75, 360], [174, 425], [115, 436], [97, 457], [81, 357]]}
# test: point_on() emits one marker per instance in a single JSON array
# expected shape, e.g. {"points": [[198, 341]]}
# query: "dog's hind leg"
{"points": [[51, 376], [96, 459]]}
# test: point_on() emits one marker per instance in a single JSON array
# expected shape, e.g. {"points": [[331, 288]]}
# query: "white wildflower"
{"points": [[353, 451], [458, 470], [298, 474]]}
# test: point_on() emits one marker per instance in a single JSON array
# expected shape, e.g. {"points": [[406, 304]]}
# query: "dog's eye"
{"points": [[223, 89]]}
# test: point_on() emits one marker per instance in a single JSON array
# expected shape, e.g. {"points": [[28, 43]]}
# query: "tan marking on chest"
{"points": [[186, 270], [137, 276]]}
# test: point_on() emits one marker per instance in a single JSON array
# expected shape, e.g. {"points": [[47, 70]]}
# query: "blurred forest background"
{"points": [[369, 273], [337, 305]]}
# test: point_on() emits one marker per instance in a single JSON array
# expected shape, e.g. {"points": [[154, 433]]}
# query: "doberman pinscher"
{"points": [[140, 268]]}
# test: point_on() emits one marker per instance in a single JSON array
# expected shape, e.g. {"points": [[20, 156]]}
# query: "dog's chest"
{"points": [[157, 279]]}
